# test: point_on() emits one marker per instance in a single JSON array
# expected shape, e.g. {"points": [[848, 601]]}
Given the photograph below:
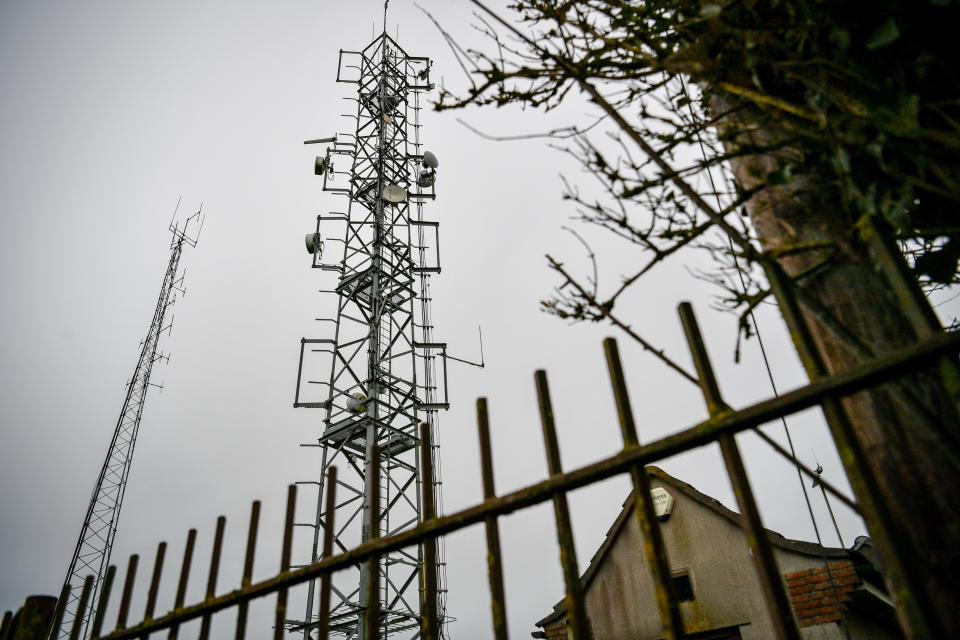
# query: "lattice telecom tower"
{"points": [[92, 554], [376, 375]]}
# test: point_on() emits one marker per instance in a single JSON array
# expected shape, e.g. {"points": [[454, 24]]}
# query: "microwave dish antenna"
{"points": [[394, 194], [314, 243]]}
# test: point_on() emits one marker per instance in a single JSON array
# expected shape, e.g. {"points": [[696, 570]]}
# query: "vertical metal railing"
{"points": [[248, 567], [184, 578], [329, 532], [498, 608], [577, 625], [774, 591], [429, 629], [286, 549], [212, 576], [654, 548]]}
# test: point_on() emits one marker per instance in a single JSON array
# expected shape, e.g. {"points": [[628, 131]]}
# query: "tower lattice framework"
{"points": [[91, 556], [376, 378]]}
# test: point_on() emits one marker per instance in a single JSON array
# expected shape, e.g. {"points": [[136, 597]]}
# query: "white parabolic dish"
{"points": [[394, 194]]}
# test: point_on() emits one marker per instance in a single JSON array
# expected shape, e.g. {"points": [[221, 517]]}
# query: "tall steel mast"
{"points": [[92, 554], [376, 377]]}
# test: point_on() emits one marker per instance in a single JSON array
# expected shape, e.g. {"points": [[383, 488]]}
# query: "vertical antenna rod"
{"points": [[92, 554]]}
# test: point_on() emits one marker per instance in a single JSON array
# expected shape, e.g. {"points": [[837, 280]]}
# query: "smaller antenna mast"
{"points": [[91, 556]]}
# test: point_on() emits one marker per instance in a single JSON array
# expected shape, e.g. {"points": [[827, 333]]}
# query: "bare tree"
{"points": [[837, 126]]}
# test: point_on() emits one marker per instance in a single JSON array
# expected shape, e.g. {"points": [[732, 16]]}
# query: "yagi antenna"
{"points": [[181, 233]]}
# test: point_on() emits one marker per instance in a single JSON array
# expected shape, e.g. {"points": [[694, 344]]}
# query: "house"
{"points": [[716, 582]]}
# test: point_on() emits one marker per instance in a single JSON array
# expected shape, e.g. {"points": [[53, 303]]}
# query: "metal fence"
{"points": [[721, 427]]}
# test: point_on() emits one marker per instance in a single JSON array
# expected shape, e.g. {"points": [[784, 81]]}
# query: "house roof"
{"points": [[777, 540]]}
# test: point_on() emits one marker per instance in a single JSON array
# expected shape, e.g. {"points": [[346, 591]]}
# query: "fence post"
{"points": [[773, 588], [428, 617], [371, 616], [280, 617], [578, 625], [241, 632], [654, 548], [498, 600], [127, 592], [329, 533], [184, 578]]}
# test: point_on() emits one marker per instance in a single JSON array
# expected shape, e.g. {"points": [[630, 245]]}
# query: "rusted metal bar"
{"points": [[251, 543], [498, 601], [104, 601], [58, 612], [778, 603], [428, 615], [127, 591], [248, 568], [81, 616], [577, 624], [155, 581], [281, 611], [212, 576], [329, 532], [654, 548], [774, 590], [371, 617], [883, 368], [910, 299], [184, 577]]}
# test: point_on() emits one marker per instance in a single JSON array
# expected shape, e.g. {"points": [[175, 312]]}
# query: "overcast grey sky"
{"points": [[112, 110]]}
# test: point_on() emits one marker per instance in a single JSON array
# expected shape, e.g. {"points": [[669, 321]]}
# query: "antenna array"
{"points": [[376, 378]]}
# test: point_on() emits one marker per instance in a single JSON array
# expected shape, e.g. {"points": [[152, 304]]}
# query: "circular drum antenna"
{"points": [[357, 403], [320, 166], [430, 160], [314, 244], [394, 194], [427, 178]]}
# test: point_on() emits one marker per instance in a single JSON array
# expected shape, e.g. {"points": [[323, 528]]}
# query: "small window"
{"points": [[682, 586]]}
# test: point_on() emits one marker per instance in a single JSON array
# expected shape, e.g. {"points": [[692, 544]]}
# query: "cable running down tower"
{"points": [[92, 554], [376, 377]]}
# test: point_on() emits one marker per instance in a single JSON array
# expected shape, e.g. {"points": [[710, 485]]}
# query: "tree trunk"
{"points": [[908, 431]]}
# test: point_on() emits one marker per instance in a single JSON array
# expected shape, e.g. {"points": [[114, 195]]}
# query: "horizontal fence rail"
{"points": [[721, 427]]}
